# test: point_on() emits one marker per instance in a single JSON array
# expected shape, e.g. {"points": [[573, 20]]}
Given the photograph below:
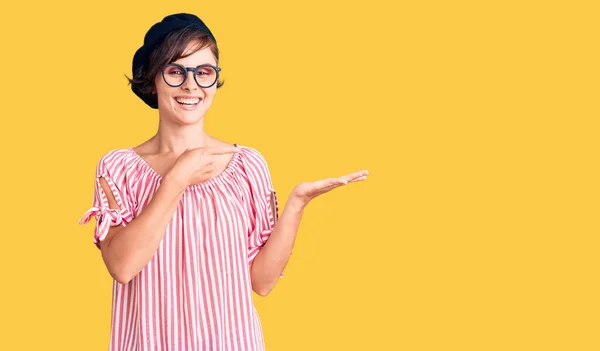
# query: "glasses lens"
{"points": [[206, 76], [174, 75]]}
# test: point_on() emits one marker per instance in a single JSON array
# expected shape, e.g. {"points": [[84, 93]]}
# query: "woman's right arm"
{"points": [[127, 250]]}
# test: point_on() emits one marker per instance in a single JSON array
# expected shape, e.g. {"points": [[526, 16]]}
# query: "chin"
{"points": [[189, 118], [183, 117]]}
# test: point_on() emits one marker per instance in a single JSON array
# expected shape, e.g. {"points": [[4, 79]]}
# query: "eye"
{"points": [[175, 71], [205, 71]]}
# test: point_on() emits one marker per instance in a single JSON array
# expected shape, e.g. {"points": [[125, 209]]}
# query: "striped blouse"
{"points": [[195, 293]]}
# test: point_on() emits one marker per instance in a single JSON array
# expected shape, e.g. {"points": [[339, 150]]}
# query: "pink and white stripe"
{"points": [[195, 293]]}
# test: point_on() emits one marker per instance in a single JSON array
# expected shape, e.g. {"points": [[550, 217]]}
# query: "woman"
{"points": [[187, 224]]}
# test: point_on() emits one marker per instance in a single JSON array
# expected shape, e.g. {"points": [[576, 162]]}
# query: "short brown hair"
{"points": [[171, 49]]}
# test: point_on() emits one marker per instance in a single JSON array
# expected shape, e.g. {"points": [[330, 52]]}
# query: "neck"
{"points": [[171, 138]]}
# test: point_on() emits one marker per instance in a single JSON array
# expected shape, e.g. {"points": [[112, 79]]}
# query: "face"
{"points": [[188, 103]]}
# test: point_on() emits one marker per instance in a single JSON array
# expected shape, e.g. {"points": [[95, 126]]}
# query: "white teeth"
{"points": [[187, 101]]}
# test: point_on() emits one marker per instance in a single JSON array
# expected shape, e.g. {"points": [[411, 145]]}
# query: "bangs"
{"points": [[175, 44]]}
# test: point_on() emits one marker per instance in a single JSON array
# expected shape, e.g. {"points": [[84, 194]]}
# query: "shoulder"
{"points": [[253, 158], [256, 168], [116, 161]]}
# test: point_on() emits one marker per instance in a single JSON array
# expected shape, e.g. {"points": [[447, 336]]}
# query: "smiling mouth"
{"points": [[188, 102]]}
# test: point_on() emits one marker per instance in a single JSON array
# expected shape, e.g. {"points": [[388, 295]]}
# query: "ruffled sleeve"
{"points": [[112, 170], [264, 204]]}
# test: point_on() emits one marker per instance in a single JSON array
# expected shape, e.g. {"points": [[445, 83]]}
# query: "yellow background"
{"points": [[478, 120]]}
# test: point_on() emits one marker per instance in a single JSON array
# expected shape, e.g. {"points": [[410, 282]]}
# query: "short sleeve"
{"points": [[265, 207], [110, 169]]}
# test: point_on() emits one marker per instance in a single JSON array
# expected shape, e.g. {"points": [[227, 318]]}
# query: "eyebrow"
{"points": [[202, 64]]}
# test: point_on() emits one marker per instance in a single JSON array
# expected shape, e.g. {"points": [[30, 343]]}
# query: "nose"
{"points": [[190, 82]]}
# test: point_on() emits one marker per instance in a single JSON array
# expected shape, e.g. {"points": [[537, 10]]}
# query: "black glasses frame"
{"points": [[191, 69]]}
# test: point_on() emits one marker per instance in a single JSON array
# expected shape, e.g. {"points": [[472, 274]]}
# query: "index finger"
{"points": [[221, 150], [355, 175]]}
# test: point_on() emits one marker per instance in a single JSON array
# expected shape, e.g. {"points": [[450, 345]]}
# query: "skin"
{"points": [[183, 154]]}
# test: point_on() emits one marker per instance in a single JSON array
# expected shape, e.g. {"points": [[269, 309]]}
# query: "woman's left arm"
{"points": [[271, 260]]}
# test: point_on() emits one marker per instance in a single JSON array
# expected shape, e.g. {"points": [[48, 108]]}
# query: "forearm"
{"points": [[129, 251], [274, 256]]}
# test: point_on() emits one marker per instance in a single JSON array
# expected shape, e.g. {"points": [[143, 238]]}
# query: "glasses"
{"points": [[205, 75]]}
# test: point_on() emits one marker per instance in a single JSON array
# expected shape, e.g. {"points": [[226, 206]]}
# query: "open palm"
{"points": [[309, 190]]}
